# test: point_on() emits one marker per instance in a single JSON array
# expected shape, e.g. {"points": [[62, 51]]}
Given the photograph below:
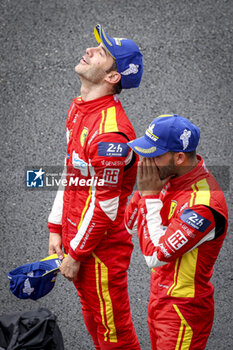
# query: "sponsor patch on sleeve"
{"points": [[195, 220], [111, 175], [113, 149], [177, 240]]}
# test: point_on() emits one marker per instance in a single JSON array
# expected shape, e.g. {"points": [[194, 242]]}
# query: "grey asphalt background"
{"points": [[187, 47]]}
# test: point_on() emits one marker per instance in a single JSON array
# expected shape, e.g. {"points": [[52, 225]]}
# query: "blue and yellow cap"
{"points": [[34, 280], [127, 55], [167, 133]]}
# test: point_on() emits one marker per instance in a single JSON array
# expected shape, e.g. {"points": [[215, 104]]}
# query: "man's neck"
{"points": [[187, 167], [91, 92]]}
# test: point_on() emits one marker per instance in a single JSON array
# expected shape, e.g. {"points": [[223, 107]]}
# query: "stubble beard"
{"points": [[90, 74], [168, 170]]}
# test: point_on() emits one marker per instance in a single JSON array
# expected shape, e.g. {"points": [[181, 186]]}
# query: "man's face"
{"points": [[165, 164], [94, 64]]}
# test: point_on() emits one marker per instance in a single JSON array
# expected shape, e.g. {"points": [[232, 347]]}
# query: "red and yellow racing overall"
{"points": [[181, 232], [90, 216]]}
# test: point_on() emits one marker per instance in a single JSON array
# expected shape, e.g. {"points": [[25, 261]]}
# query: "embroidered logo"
{"points": [[83, 136], [151, 128], [172, 209], [177, 240], [149, 133], [75, 118], [79, 163], [110, 175], [27, 287], [133, 69], [195, 220], [113, 149], [185, 138], [118, 41], [144, 150]]}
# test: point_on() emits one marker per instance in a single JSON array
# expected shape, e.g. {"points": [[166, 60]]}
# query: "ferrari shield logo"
{"points": [[172, 209], [83, 136]]}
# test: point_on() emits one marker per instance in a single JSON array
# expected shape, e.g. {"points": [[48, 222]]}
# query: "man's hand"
{"points": [[148, 180], [55, 245], [70, 268]]}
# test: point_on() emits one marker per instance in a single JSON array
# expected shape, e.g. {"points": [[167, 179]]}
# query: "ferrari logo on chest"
{"points": [[172, 209], [83, 135]]}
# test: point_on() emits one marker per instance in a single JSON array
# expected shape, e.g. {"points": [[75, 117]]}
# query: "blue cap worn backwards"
{"points": [[33, 281], [167, 133], [127, 55]]}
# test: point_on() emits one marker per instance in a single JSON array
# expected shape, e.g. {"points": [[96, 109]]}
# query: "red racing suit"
{"points": [[90, 216], [181, 232]]}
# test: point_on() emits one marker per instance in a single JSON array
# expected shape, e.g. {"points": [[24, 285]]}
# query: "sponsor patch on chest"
{"points": [[83, 136], [195, 220], [112, 149], [79, 163], [172, 209]]}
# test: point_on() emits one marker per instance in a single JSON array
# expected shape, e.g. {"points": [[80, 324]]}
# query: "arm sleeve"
{"points": [[55, 216], [108, 160], [131, 214], [161, 245]]}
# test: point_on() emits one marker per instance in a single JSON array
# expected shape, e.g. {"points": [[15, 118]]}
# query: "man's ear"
{"points": [[113, 77], [180, 158]]}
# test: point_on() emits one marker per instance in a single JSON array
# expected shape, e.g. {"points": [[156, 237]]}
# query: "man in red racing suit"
{"points": [[181, 228], [88, 219]]}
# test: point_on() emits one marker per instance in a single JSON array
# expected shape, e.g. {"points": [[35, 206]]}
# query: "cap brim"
{"points": [[53, 256], [54, 263], [144, 148], [102, 37]]}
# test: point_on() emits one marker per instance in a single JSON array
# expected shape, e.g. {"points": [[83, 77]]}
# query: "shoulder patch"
{"points": [[195, 220], [113, 149]]}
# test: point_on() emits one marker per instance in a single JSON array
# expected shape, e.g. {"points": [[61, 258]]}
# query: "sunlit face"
{"points": [[94, 64], [165, 164]]}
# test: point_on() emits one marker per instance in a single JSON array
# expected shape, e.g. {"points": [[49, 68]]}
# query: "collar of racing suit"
{"points": [[94, 105]]}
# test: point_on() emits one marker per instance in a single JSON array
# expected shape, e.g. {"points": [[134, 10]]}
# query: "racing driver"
{"points": [[88, 219], [181, 218]]}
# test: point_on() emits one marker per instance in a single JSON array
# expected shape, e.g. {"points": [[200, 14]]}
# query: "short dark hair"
{"points": [[190, 155], [117, 87]]}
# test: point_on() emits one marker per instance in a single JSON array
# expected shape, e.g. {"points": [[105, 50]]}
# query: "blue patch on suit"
{"points": [[195, 220], [113, 149]]}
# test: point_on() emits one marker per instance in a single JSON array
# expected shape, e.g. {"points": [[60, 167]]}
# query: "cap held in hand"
{"points": [[35, 280]]}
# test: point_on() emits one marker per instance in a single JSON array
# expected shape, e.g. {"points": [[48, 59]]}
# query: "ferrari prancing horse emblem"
{"points": [[83, 135], [172, 209]]}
